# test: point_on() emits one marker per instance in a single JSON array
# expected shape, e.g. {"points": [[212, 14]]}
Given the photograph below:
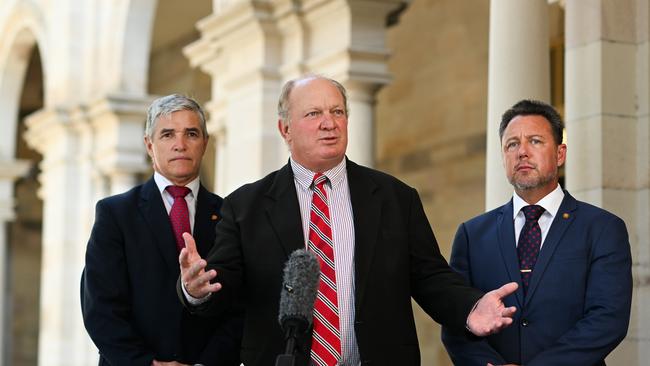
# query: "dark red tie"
{"points": [[326, 336], [179, 215], [530, 240]]}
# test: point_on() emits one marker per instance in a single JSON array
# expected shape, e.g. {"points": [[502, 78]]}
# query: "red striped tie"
{"points": [[179, 215], [326, 337]]}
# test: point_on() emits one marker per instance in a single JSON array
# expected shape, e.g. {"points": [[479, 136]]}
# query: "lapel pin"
{"points": [[565, 215], [214, 217]]}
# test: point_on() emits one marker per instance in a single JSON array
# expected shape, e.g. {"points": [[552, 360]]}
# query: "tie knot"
{"points": [[178, 192], [319, 179], [533, 212]]}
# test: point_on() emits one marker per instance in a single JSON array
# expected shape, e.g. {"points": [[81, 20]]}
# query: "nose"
{"points": [[180, 144], [523, 149], [327, 123]]}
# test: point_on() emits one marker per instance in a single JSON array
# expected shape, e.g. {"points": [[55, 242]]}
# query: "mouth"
{"points": [[180, 158], [524, 167], [329, 139]]}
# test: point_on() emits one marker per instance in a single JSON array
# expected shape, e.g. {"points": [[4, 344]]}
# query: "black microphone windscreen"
{"points": [[299, 289]]}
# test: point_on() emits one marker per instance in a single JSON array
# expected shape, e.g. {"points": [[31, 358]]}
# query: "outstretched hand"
{"points": [[193, 275], [490, 314]]}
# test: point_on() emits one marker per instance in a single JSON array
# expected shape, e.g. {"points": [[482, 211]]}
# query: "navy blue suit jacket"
{"points": [[577, 308], [128, 295]]}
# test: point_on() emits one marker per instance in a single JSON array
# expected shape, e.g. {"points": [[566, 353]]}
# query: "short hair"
{"points": [[283, 101], [527, 107], [164, 106]]}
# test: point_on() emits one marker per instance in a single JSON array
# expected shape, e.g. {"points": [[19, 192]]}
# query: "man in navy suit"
{"points": [[128, 294], [384, 251], [572, 260]]}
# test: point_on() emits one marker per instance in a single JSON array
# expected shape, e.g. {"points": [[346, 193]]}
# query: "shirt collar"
{"points": [[163, 182], [305, 177], [551, 202]]}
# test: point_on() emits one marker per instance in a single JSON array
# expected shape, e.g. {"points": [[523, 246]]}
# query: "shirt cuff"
{"points": [[193, 300]]}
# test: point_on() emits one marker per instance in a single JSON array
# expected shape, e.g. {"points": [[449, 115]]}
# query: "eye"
{"points": [[339, 112], [192, 134], [166, 135], [312, 114], [535, 141], [511, 145]]}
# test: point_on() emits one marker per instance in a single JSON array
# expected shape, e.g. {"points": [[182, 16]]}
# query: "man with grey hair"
{"points": [[128, 285], [375, 247]]}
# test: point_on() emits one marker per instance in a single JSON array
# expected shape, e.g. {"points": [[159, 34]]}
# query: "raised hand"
{"points": [[193, 275], [490, 314]]}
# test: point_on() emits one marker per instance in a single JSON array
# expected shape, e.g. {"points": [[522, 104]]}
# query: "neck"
{"points": [[534, 195]]}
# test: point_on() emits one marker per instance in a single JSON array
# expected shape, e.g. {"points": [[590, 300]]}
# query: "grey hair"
{"points": [[283, 101], [164, 106]]}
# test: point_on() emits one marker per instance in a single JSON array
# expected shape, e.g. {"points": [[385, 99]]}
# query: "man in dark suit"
{"points": [[375, 247], [575, 291], [128, 293]]}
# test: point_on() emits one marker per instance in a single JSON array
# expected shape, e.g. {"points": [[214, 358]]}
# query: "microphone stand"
{"points": [[293, 327]]}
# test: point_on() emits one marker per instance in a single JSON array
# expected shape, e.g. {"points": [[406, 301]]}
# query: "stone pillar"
{"points": [[9, 172], [59, 135], [241, 49], [607, 121], [518, 68], [118, 147]]}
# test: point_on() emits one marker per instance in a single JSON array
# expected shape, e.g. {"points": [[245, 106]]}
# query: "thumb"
{"points": [[506, 289]]}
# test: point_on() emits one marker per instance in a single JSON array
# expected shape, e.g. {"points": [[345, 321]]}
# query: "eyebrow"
{"points": [[190, 129]]}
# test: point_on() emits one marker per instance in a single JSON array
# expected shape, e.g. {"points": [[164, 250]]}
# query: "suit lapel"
{"points": [[508, 246], [153, 210], [366, 208], [283, 211], [558, 227], [207, 214]]}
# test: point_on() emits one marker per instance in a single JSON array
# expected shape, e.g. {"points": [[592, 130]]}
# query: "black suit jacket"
{"points": [[128, 297], [396, 258]]}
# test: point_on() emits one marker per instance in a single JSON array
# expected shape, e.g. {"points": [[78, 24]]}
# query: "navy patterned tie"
{"points": [[530, 240]]}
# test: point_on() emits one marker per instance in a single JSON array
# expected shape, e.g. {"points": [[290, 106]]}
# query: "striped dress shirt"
{"points": [[340, 205]]}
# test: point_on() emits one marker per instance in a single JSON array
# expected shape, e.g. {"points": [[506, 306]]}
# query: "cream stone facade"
{"points": [[427, 81]]}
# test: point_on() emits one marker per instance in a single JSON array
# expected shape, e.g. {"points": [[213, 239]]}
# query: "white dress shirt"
{"points": [[551, 204]]}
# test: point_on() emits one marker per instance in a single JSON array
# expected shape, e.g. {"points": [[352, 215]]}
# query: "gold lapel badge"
{"points": [[565, 215], [214, 217]]}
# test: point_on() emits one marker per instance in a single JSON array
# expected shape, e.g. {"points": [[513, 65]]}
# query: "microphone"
{"points": [[299, 289]]}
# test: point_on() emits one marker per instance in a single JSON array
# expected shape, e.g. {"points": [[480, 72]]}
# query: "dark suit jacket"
{"points": [[396, 258], [577, 308], [128, 297]]}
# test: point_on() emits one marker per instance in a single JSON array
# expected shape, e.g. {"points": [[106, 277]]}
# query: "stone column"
{"points": [[518, 68], [607, 121], [118, 147], [59, 136], [10, 170]]}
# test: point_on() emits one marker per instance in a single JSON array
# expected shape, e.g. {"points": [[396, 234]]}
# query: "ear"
{"points": [[561, 154], [284, 130], [149, 145]]}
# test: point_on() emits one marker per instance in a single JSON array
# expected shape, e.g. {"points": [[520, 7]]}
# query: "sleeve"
{"points": [[608, 299], [223, 347], [105, 300], [463, 348], [440, 291]]}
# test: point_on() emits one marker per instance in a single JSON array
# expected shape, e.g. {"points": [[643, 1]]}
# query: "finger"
{"points": [[190, 244], [506, 289], [509, 312], [183, 259]]}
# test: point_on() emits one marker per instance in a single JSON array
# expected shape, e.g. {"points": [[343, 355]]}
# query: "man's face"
{"points": [[177, 146], [317, 130], [530, 154]]}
